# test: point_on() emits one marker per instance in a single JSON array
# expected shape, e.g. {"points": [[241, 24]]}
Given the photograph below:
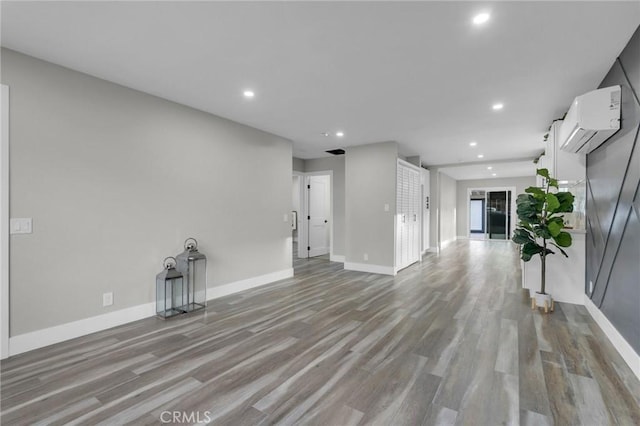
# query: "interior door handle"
{"points": [[325, 221]]}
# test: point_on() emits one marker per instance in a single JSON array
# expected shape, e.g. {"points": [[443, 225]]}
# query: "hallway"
{"points": [[449, 341]]}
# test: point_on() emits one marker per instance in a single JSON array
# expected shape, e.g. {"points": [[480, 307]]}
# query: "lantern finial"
{"points": [[191, 244], [169, 262]]}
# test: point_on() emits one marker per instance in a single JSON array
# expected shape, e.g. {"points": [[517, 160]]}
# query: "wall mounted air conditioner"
{"points": [[592, 119]]}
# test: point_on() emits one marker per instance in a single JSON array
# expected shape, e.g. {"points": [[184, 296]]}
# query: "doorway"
{"points": [[313, 229], [490, 213], [318, 214]]}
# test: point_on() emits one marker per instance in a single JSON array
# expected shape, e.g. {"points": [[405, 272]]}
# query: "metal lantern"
{"points": [[193, 265], [171, 295]]}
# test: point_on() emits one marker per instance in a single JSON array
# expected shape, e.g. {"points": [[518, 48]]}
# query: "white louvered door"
{"points": [[407, 216]]}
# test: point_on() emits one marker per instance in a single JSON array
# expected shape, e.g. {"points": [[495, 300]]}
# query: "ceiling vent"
{"points": [[338, 151]]}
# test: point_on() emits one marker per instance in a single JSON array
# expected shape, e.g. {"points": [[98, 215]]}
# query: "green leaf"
{"points": [[535, 191], [525, 199], [552, 203], [563, 239], [566, 202], [522, 236], [553, 182], [558, 219], [543, 232], [525, 225], [532, 248], [527, 210], [554, 228], [543, 172]]}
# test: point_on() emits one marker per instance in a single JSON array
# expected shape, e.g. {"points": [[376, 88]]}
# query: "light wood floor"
{"points": [[450, 341]]}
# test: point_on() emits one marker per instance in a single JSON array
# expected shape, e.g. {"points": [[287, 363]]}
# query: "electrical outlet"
{"points": [[366, 257], [590, 287], [21, 225], [107, 299], [386, 207]]}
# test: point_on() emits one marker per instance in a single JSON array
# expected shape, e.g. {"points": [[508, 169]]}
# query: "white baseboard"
{"points": [[432, 250], [462, 237], [622, 346], [237, 286], [366, 267], [336, 258], [59, 333], [445, 243]]}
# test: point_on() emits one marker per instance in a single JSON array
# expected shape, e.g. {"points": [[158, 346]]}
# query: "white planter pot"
{"points": [[543, 301]]}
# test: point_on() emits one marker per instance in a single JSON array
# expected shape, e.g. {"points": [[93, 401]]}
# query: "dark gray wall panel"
{"points": [[613, 225], [621, 303], [612, 186], [630, 58]]}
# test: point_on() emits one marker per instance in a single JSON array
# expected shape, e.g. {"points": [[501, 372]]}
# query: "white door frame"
{"points": [[304, 229], [299, 224], [514, 217], [4, 222]]}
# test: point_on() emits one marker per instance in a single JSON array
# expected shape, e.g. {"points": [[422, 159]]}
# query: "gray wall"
{"points": [[370, 183], [447, 206], [115, 180], [298, 164], [462, 215], [335, 164], [613, 206]]}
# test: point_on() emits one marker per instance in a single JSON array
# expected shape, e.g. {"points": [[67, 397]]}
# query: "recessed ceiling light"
{"points": [[325, 134], [481, 18], [489, 168], [480, 155], [248, 94], [474, 143], [493, 174], [339, 134], [497, 107]]}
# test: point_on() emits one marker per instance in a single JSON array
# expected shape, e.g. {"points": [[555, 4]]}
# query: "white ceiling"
{"points": [[419, 73]]}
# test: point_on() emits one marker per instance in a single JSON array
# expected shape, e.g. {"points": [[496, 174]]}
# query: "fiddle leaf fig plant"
{"points": [[541, 221]]}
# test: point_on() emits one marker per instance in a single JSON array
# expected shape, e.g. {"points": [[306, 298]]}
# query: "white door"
{"points": [[408, 218], [319, 197]]}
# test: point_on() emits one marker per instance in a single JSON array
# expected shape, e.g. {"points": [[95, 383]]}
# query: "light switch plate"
{"points": [[386, 207], [285, 218], [21, 225]]}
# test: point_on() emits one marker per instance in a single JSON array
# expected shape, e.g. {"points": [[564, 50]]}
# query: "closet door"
{"points": [[409, 207], [406, 208], [417, 200], [415, 216], [399, 216], [408, 219]]}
